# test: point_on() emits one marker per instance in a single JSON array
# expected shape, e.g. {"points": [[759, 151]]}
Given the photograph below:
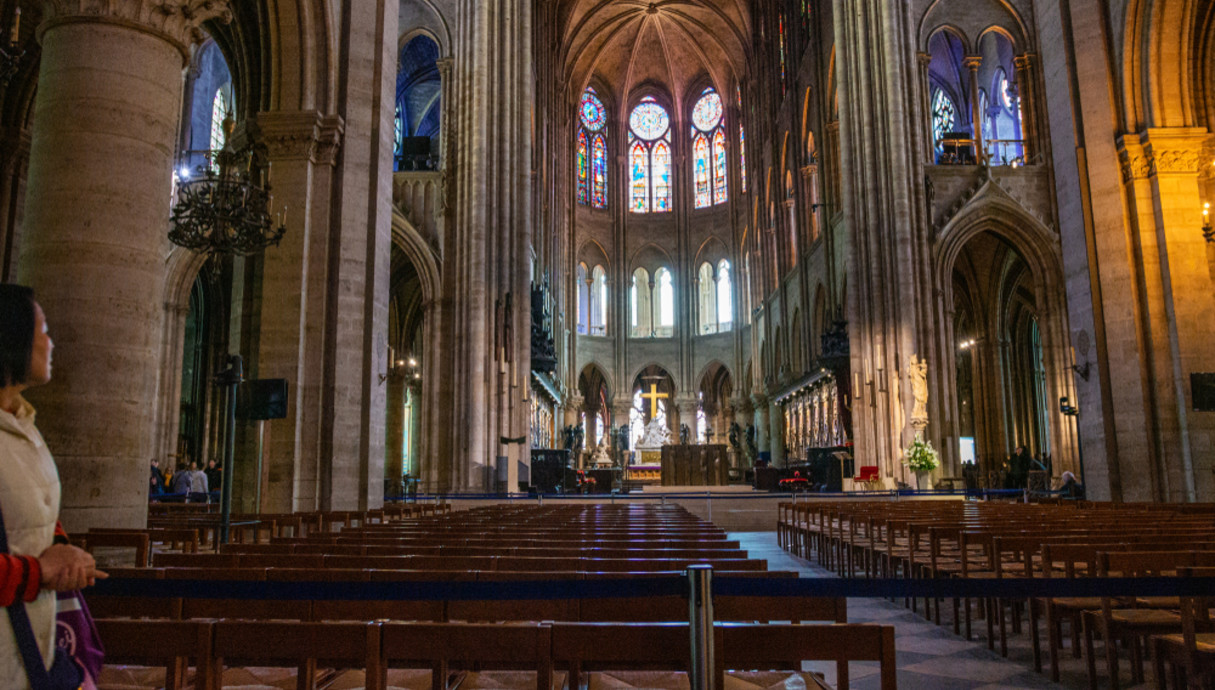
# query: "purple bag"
{"points": [[75, 633]]}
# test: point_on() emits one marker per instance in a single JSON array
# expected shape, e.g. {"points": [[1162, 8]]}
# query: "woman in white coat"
{"points": [[39, 562]]}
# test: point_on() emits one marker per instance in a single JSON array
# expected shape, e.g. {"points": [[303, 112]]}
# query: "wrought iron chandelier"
{"points": [[11, 52], [224, 206]]}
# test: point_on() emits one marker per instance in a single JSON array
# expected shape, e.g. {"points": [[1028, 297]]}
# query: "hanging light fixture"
{"points": [[224, 206], [11, 52]]}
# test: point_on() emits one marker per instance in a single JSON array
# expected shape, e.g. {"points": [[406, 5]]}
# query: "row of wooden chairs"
{"points": [[377, 651], [976, 540]]}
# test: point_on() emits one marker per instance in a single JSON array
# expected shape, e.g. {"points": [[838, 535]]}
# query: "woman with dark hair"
{"points": [[39, 561]]}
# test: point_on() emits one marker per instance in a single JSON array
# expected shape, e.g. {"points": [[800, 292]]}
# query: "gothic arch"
{"points": [[438, 31], [651, 257], [981, 15], [597, 367], [712, 366], [712, 250], [638, 371], [1161, 68], [419, 253], [994, 212], [592, 253]]}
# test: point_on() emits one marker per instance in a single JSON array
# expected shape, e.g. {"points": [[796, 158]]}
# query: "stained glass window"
{"points": [[398, 132], [592, 151], [582, 169], [219, 110], [742, 157], [649, 120], [700, 156], [943, 113], [707, 113], [719, 167], [649, 158], [662, 177], [594, 115], [599, 173], [709, 150], [782, 52], [639, 164]]}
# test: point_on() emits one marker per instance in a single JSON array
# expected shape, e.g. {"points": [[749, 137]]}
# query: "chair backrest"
{"points": [[784, 647], [305, 646], [869, 472], [170, 644]]}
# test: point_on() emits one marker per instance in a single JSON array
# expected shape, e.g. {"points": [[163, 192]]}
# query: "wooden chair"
{"points": [[869, 477], [306, 647], [1191, 653], [588, 647], [123, 540], [1127, 621], [171, 645], [468, 647], [784, 647]]}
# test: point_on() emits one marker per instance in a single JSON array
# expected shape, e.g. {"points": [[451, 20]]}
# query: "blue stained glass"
{"points": [[649, 120], [639, 195], [700, 173], [583, 194], [662, 177], [719, 168], [599, 173], [707, 113], [594, 115]]}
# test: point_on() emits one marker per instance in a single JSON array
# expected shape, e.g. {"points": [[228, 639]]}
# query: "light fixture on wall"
{"points": [[1207, 231], [225, 205], [11, 52], [406, 368]]}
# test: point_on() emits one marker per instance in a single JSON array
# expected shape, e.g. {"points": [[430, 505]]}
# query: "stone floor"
{"points": [[931, 657]]}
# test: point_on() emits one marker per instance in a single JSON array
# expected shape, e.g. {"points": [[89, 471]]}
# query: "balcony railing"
{"points": [[958, 149]]}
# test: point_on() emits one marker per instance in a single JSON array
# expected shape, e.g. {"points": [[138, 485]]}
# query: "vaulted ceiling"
{"points": [[670, 44]]}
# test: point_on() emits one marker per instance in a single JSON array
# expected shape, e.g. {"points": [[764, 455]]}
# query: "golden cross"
{"points": [[653, 396]]}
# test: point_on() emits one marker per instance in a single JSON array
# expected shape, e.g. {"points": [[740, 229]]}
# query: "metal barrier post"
{"points": [[700, 617]]}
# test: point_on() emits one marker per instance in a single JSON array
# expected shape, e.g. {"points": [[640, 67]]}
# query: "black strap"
{"points": [[35, 668]]}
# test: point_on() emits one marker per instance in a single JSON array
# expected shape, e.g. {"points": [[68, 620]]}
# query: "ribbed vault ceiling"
{"points": [[670, 44]]}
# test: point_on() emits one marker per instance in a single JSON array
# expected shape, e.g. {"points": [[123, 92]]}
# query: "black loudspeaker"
{"points": [[262, 399], [1202, 388]]}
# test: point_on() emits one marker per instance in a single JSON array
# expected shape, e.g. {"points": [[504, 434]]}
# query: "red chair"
{"points": [[868, 477]]}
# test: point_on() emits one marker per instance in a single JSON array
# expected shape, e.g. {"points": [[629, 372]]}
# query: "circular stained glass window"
{"points": [[707, 112], [649, 120], [594, 116]]}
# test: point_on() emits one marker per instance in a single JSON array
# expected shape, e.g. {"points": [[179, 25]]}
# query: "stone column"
{"points": [[759, 402], [1029, 104], [302, 148], [972, 63], [813, 201], [94, 241], [687, 407], [14, 161], [925, 111], [394, 452]]}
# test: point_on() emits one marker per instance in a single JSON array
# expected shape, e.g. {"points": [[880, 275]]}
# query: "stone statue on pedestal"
{"points": [[917, 372]]}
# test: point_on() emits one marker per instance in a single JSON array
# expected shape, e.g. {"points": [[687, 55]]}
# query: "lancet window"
{"points": [[591, 164], [649, 158], [709, 150]]}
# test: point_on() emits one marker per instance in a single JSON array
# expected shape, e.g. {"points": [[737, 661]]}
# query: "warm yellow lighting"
{"points": [[413, 362]]}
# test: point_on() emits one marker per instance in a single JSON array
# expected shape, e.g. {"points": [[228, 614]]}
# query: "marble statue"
{"points": [[917, 372]]}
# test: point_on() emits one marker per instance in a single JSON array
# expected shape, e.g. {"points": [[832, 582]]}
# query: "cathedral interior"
{"points": [[786, 225]]}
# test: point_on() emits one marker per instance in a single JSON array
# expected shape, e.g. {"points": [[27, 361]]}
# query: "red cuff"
{"points": [[34, 584]]}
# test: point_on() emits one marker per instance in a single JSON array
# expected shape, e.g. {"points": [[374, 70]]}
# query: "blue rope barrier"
{"points": [[1008, 588]]}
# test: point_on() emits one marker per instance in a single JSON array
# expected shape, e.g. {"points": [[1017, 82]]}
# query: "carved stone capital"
{"points": [[972, 62], [300, 135], [1176, 150], [809, 170], [924, 58], [177, 21], [1024, 61]]}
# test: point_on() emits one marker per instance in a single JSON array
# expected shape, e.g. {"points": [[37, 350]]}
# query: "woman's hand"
{"points": [[66, 567]]}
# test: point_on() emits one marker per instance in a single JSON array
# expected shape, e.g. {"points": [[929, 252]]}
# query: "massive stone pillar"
{"points": [[487, 252], [94, 242], [302, 148]]}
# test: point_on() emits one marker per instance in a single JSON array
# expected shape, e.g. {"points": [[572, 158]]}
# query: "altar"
{"points": [[701, 465]]}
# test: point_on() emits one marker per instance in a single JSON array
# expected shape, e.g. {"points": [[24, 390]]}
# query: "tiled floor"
{"points": [[931, 657]]}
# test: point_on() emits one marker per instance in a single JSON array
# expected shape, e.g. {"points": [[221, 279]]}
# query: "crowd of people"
{"points": [[186, 481]]}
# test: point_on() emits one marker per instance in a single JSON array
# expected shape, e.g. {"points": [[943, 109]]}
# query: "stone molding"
{"points": [[301, 135], [1164, 151], [177, 21]]}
